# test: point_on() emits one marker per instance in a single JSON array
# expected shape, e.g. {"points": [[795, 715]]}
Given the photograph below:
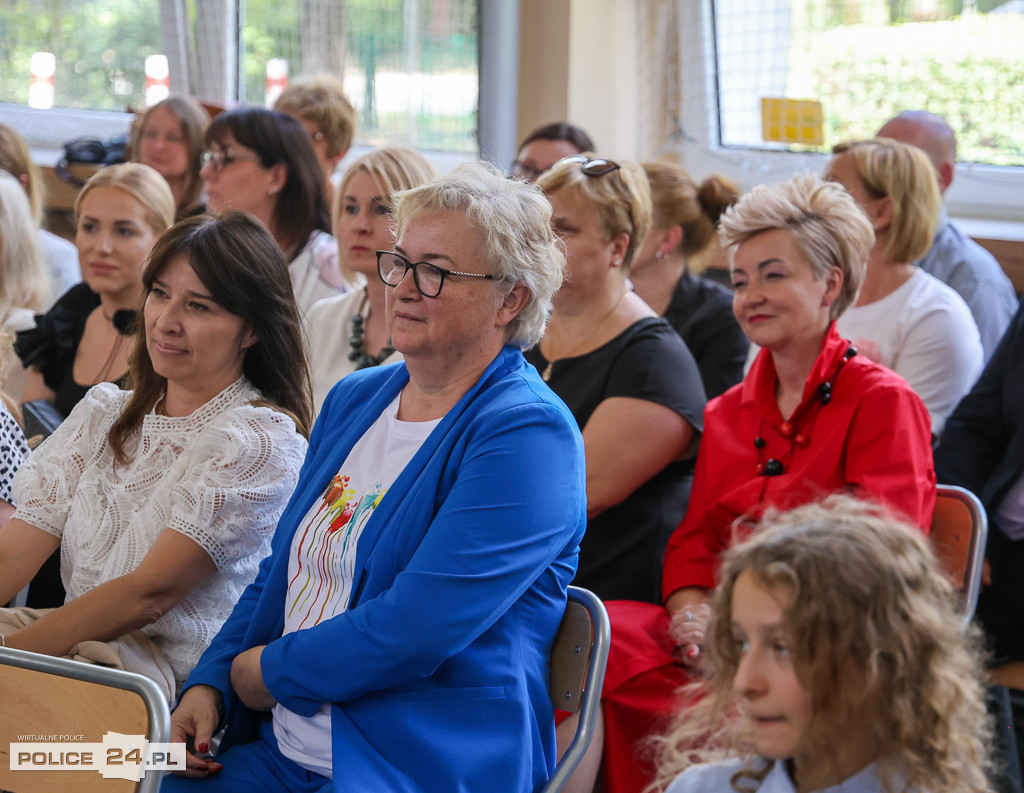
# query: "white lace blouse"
{"points": [[221, 476]]}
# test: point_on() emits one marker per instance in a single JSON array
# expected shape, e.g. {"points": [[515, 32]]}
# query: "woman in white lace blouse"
{"points": [[163, 499]]}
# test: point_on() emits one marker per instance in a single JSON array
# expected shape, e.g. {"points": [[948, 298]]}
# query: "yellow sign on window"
{"points": [[792, 121]]}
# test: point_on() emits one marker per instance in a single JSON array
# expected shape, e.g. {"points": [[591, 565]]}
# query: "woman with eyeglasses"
{"points": [[262, 162], [162, 499], [168, 137], [545, 146], [399, 635], [629, 380], [349, 332], [812, 417]]}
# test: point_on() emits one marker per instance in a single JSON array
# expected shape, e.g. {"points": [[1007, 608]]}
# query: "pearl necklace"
{"points": [[362, 358]]}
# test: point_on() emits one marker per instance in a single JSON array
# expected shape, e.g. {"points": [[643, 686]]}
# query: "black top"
{"points": [[51, 345], [701, 312], [621, 553]]}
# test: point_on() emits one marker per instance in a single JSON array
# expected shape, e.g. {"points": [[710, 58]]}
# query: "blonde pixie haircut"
{"points": [[320, 99], [867, 599], [679, 201], [905, 175], [23, 279], [622, 198], [140, 182], [519, 243], [826, 223], [393, 168]]}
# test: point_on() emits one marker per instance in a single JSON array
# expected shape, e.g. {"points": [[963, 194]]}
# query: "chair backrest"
{"points": [[578, 659], [958, 534], [45, 696]]}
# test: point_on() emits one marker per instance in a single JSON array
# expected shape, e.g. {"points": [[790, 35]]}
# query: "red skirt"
{"points": [[640, 695]]}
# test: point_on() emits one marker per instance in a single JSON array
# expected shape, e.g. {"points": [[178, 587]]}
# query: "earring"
{"points": [[659, 255]]}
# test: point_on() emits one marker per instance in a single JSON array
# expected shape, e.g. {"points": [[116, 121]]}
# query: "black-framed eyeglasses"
{"points": [[592, 167], [429, 278], [219, 159]]}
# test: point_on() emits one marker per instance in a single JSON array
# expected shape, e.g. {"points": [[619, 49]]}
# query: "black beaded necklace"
{"points": [[357, 353], [788, 429]]}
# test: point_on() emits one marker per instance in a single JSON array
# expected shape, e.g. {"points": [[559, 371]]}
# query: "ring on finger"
{"points": [[687, 616]]}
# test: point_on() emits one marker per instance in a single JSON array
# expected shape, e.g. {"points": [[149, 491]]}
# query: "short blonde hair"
{"points": [[23, 279], [828, 226], [515, 219], [140, 182], [907, 177], [320, 99], [16, 159], [622, 198], [887, 614], [393, 168], [679, 201]]}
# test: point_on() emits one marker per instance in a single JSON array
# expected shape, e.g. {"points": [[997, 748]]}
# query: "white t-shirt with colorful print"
{"points": [[323, 558]]}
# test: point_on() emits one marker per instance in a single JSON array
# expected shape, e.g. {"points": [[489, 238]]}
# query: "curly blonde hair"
{"points": [[868, 598]]}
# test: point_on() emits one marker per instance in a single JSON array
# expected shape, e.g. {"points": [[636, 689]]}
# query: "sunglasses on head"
{"points": [[592, 167]]}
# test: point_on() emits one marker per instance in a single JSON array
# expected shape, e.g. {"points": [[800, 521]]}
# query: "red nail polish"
{"points": [[216, 770], [203, 747], [692, 653], [203, 767]]}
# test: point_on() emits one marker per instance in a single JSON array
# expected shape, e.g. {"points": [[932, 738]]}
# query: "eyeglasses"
{"points": [[520, 170], [429, 278], [595, 167], [221, 159]]}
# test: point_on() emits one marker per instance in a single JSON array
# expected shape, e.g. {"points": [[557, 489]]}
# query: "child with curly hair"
{"points": [[834, 660]]}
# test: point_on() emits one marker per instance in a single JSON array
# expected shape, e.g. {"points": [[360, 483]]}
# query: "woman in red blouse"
{"points": [[811, 417]]}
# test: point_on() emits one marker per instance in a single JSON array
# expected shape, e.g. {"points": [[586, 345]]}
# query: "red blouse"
{"points": [[872, 438]]}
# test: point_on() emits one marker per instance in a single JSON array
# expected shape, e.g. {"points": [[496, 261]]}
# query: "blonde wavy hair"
{"points": [[622, 198], [826, 223], [680, 201], [868, 599], [904, 174]]}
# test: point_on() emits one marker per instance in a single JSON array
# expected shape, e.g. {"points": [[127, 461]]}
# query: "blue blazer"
{"points": [[438, 670]]}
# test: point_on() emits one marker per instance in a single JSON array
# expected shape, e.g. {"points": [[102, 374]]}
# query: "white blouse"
{"points": [[221, 476]]}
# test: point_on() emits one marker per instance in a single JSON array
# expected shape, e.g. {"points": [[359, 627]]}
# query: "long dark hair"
{"points": [[301, 206], [241, 266]]}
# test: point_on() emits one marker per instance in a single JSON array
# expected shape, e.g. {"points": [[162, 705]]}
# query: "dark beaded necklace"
{"points": [[357, 353], [789, 429]]}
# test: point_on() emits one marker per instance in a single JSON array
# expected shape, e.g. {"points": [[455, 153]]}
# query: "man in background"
{"points": [[954, 258]]}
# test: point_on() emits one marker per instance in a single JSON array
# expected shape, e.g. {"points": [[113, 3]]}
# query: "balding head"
{"points": [[930, 133]]}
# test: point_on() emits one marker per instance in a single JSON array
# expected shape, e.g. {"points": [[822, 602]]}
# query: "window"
{"points": [[865, 60], [409, 66]]}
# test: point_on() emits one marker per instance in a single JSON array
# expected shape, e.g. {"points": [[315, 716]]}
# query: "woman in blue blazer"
{"points": [[398, 636]]}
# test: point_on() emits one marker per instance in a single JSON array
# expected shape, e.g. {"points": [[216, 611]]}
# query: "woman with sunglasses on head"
{"points": [[162, 498], [630, 382], [811, 417], [349, 332], [168, 137], [399, 635], [262, 162]]}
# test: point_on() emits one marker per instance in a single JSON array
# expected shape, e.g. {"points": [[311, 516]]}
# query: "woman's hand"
{"points": [[193, 723], [687, 628], [247, 680]]}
